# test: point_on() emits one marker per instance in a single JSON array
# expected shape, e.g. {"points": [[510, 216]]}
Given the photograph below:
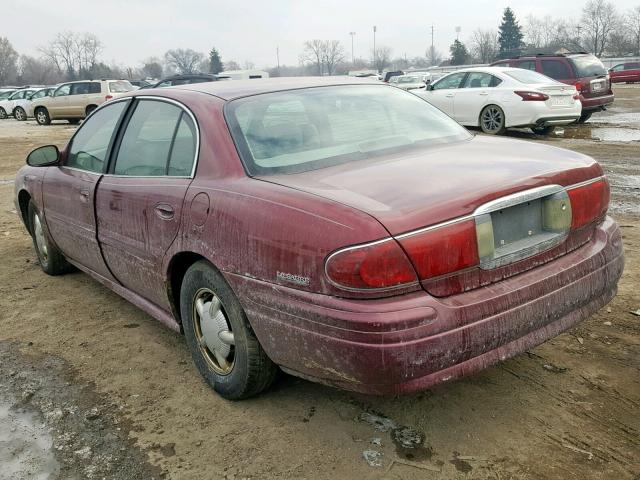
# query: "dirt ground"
{"points": [[91, 387]]}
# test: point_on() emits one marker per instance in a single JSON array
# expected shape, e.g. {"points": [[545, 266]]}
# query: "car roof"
{"points": [[232, 89]]}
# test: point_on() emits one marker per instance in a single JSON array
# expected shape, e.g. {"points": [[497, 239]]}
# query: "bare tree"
{"points": [[88, 48], [332, 55], [184, 60], [381, 58], [314, 53], [8, 61], [231, 65], [633, 25], [599, 19], [434, 57], [620, 43], [39, 71], [484, 45], [151, 67]]}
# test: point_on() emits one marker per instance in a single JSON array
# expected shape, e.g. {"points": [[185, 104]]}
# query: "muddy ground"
{"points": [[91, 387]]}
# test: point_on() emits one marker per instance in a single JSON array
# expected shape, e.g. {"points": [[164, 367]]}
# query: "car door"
{"points": [[476, 92], [631, 72], [443, 91], [58, 104], [69, 189], [79, 97], [139, 203]]}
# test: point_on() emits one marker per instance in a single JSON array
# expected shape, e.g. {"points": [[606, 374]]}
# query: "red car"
{"points": [[343, 230], [581, 69], [625, 72]]}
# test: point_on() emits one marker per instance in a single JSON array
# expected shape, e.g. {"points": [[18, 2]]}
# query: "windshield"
{"points": [[529, 76], [308, 129], [121, 86], [588, 66]]}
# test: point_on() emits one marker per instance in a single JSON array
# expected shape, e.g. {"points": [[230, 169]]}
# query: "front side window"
{"points": [[63, 90], [619, 68], [556, 69], [302, 130], [450, 81], [159, 140], [91, 143]]}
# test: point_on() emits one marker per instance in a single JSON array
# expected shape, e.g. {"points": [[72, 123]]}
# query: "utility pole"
{"points": [[352, 57], [375, 56], [432, 38], [278, 56], [458, 30]]}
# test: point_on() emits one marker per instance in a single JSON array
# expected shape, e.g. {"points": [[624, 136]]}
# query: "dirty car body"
{"points": [[372, 243]]}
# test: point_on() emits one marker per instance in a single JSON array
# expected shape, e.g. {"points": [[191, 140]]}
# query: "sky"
{"points": [[250, 30]]}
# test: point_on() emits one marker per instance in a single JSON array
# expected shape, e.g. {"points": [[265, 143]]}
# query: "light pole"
{"points": [[352, 57], [375, 57]]}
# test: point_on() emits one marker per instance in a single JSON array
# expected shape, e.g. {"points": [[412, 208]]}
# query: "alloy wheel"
{"points": [[41, 242], [41, 117], [19, 114], [213, 332], [492, 119]]}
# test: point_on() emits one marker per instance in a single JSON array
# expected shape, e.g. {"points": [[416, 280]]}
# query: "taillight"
{"points": [[442, 250], [532, 96], [380, 264], [108, 97], [589, 202]]}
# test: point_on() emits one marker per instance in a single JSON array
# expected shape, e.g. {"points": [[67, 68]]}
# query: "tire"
{"points": [[42, 116], [584, 117], [3, 113], [492, 120], [90, 109], [543, 130], [73, 121], [19, 114], [235, 366], [50, 258]]}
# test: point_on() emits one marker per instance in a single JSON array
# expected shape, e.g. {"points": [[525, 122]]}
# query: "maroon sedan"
{"points": [[625, 72], [342, 230]]}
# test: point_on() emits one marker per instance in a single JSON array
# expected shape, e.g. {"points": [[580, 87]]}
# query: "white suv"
{"points": [[73, 101]]}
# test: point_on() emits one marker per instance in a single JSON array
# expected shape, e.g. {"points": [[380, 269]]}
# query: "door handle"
{"points": [[484, 93], [84, 195], [164, 211], [449, 95]]}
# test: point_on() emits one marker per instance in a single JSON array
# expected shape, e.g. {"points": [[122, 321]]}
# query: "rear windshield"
{"points": [[529, 76], [308, 129], [121, 86], [588, 66]]}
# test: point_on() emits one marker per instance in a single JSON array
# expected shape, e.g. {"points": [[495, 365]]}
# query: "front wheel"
{"points": [[20, 114], [222, 343], [492, 120], [50, 258], [42, 116], [548, 130]]}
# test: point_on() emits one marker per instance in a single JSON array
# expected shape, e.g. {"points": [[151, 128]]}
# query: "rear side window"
{"points": [[525, 76], [632, 66], [481, 80], [556, 69], [95, 87], [90, 145], [526, 64], [159, 140]]}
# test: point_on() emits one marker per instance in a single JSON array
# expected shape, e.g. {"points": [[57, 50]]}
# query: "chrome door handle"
{"points": [[164, 211], [484, 93], [449, 95]]}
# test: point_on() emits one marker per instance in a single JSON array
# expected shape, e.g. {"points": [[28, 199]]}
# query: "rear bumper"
{"points": [[413, 341], [596, 103]]}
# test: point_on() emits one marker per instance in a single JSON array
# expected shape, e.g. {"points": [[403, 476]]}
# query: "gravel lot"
{"points": [[91, 387]]}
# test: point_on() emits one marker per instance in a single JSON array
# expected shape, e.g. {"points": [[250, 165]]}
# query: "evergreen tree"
{"points": [[510, 37], [215, 62], [459, 53]]}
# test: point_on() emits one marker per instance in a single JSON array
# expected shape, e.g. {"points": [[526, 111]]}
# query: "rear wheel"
{"points": [[548, 130], [3, 113], [50, 258], [584, 117], [42, 116], [73, 121], [90, 109], [20, 114], [492, 120], [222, 343]]}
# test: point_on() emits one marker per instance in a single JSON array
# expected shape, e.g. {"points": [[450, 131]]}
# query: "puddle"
{"points": [[603, 134], [26, 448]]}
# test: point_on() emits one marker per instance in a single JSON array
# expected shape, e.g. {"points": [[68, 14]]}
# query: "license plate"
{"points": [[596, 87], [561, 100]]}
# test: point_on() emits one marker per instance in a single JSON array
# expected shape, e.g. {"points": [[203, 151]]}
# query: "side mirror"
{"points": [[43, 156], [430, 86]]}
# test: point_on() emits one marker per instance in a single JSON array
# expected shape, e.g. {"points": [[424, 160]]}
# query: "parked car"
{"points": [[388, 75], [140, 83], [583, 70], [497, 98], [342, 229], [8, 104], [186, 79], [23, 108], [407, 82], [73, 101], [625, 72], [242, 75]]}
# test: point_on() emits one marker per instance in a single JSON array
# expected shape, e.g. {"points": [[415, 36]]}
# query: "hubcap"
{"points": [[213, 332], [492, 119], [40, 240], [19, 115]]}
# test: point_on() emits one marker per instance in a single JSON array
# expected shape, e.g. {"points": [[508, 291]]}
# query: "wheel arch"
{"points": [[90, 108]]}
